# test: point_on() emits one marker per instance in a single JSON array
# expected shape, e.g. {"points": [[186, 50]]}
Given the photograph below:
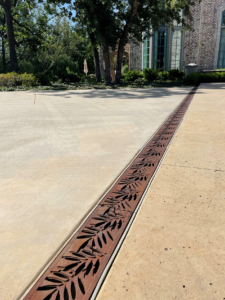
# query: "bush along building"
{"points": [[170, 49]]}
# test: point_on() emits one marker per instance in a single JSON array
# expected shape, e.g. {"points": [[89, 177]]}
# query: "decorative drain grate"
{"points": [[77, 269]]}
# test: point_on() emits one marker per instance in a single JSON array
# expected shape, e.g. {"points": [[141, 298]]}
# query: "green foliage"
{"points": [[54, 44], [139, 81], [14, 79], [26, 67], [193, 78], [150, 74], [91, 79], [43, 79], [196, 78], [125, 69], [165, 75], [133, 75], [176, 74], [211, 77], [72, 76]]}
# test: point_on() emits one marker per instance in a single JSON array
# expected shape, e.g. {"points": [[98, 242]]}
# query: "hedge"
{"points": [[196, 78], [173, 74], [14, 79]]}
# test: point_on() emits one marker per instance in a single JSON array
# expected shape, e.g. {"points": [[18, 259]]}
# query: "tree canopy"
{"points": [[45, 33]]}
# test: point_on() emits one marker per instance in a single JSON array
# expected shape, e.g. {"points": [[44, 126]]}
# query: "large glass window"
{"points": [[221, 56], [146, 53], [160, 49], [176, 49]]}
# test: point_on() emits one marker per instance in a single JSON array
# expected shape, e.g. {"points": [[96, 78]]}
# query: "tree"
{"points": [[83, 30], [63, 50], [102, 26], [6, 5], [26, 24], [98, 19], [145, 15], [116, 21], [2, 35]]}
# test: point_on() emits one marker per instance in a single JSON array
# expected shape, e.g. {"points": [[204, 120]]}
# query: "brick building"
{"points": [[169, 49]]}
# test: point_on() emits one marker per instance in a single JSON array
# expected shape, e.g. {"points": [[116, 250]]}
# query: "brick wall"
{"points": [[207, 42], [191, 39], [201, 46], [135, 55]]}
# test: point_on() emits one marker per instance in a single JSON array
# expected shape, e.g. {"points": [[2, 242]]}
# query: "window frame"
{"points": [[143, 52], [220, 45], [166, 29], [181, 46]]}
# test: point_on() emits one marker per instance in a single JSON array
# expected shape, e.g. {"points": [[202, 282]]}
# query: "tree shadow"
{"points": [[120, 93]]}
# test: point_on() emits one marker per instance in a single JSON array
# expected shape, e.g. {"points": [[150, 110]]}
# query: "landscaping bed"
{"points": [[132, 79]]}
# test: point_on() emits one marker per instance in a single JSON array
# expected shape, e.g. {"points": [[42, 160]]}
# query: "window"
{"points": [[223, 18], [176, 49], [146, 53], [221, 56], [160, 49]]}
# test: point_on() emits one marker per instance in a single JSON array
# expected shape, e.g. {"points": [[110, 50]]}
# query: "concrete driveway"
{"points": [[58, 157]]}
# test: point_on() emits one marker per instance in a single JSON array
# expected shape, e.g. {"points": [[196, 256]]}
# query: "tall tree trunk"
{"points": [[96, 58], [97, 65], [119, 62], [3, 56], [106, 58], [10, 34], [123, 38], [3, 47]]}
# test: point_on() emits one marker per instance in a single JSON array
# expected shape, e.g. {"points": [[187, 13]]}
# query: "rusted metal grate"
{"points": [[77, 269]]}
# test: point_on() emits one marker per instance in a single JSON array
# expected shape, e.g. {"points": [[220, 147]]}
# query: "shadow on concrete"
{"points": [[128, 94], [120, 93]]}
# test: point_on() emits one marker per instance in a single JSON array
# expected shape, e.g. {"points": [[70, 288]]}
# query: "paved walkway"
{"points": [[58, 156], [175, 248]]}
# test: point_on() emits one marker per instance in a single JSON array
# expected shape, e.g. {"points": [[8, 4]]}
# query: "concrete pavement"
{"points": [[58, 156], [175, 248]]}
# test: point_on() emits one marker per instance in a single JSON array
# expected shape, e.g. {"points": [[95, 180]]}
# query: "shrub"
{"points": [[165, 75], [193, 78], [133, 75], [211, 77], [222, 76], [176, 74], [72, 76], [125, 69], [43, 78], [14, 79], [26, 67], [150, 74], [139, 81], [88, 78], [122, 78]]}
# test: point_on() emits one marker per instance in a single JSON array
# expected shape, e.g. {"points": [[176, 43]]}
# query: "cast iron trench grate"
{"points": [[75, 272]]}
